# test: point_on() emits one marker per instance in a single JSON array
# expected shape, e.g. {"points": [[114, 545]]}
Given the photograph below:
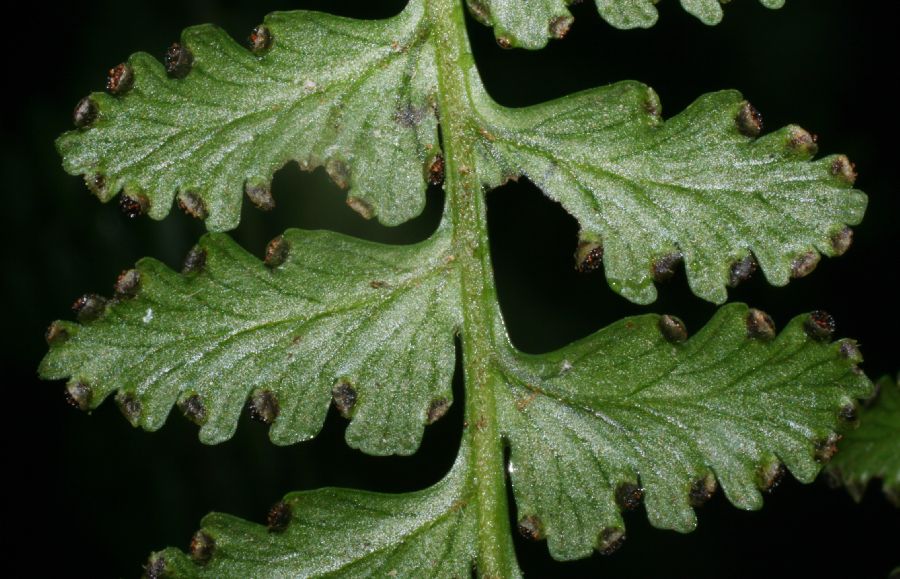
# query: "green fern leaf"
{"points": [[639, 411], [873, 449], [326, 319], [636, 412], [355, 96], [701, 187], [337, 532], [530, 23]]}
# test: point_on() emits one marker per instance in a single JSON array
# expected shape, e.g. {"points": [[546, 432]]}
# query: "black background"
{"points": [[92, 496]]}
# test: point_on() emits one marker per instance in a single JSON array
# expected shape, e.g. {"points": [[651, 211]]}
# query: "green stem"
{"points": [[466, 201]]}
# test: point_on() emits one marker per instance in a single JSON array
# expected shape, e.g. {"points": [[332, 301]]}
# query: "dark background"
{"points": [[92, 496]]}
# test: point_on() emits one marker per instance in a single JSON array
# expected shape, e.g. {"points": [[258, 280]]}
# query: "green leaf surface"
{"points": [[368, 325], [355, 96], [699, 187], [637, 412], [531, 23], [338, 532], [873, 449], [628, 406]]}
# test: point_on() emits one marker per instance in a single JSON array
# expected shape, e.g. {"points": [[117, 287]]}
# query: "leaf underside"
{"points": [[627, 408], [531, 23], [693, 188], [338, 532], [355, 96], [873, 449], [622, 409], [634, 413], [368, 325], [359, 98]]}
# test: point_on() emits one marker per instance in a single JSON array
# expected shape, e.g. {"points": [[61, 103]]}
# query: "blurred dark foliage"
{"points": [[92, 496]]}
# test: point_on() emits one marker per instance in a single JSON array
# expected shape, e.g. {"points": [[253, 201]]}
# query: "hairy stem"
{"points": [[470, 246]]}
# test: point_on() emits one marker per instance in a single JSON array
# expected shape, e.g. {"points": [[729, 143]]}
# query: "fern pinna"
{"points": [[641, 412]]}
